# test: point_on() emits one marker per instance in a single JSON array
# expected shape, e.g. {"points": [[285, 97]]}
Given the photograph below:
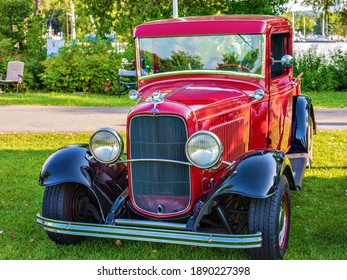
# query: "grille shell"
{"points": [[159, 188]]}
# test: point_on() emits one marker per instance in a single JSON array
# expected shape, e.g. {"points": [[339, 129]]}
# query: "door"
{"points": [[281, 92]]}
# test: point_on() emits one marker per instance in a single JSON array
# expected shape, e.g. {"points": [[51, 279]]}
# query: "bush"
{"points": [[319, 74], [32, 53], [339, 64], [84, 67]]}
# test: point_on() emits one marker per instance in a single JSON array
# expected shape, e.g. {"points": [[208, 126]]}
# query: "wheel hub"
{"points": [[283, 221]]}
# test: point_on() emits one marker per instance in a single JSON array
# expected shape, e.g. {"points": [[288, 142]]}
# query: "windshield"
{"points": [[237, 53]]}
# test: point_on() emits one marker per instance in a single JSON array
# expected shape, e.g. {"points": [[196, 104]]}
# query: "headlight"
{"points": [[204, 149], [106, 145], [133, 94]]}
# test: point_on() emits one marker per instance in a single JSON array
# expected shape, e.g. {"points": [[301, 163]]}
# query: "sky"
{"points": [[298, 6]]}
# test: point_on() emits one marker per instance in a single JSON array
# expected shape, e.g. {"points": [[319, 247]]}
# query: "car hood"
{"points": [[204, 98]]}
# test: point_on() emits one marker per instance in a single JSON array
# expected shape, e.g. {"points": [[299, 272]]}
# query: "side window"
{"points": [[279, 47]]}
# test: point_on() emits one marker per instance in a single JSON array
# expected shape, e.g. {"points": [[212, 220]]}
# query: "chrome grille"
{"points": [[159, 187]]}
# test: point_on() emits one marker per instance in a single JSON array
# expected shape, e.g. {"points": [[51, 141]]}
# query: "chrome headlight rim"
{"points": [[133, 94], [218, 143], [117, 138]]}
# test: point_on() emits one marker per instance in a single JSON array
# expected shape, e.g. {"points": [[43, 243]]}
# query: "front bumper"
{"points": [[151, 231]]}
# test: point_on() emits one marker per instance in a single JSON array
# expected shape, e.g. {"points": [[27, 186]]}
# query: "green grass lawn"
{"points": [[318, 228], [330, 99], [319, 99], [65, 99]]}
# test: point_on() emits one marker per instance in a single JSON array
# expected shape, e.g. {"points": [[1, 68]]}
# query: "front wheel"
{"points": [[69, 202], [271, 216]]}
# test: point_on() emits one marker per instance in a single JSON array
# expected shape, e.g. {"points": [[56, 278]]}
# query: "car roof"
{"points": [[205, 25]]}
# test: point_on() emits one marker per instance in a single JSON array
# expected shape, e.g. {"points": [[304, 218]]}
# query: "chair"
{"points": [[14, 74], [126, 80]]}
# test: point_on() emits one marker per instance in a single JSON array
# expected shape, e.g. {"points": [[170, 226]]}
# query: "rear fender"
{"points": [[303, 110], [255, 175]]}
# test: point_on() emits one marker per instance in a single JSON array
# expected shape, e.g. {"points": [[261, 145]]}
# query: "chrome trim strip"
{"points": [[143, 232], [152, 160], [150, 224], [229, 164]]}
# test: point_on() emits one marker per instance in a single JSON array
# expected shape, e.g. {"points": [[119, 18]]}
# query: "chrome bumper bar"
{"points": [[144, 231]]}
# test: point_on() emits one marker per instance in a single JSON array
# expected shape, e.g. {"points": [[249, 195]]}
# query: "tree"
{"points": [[323, 7], [104, 16], [318, 5], [130, 13], [341, 27], [97, 16], [304, 24], [13, 15], [270, 7]]}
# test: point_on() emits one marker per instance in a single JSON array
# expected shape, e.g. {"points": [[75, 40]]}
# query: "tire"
{"points": [[271, 216], [69, 202]]}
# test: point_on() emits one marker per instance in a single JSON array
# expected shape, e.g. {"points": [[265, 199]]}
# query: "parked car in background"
{"points": [[218, 138]]}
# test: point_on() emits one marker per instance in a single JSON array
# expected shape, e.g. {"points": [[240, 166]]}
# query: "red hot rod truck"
{"points": [[217, 139]]}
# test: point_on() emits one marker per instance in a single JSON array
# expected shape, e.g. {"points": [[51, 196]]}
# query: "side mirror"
{"points": [[287, 60]]}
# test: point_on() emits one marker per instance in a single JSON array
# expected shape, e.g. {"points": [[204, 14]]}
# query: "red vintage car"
{"points": [[219, 136]]}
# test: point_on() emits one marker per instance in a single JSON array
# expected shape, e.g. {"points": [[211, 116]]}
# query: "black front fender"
{"points": [[68, 164], [255, 174]]}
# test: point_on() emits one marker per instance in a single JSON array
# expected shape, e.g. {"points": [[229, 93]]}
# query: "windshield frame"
{"points": [[142, 75]]}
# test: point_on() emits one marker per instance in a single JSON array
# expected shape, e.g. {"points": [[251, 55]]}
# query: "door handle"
{"points": [[258, 95]]}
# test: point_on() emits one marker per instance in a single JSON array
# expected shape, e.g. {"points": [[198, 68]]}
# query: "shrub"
{"points": [[31, 52], [6, 50], [84, 67], [319, 74], [339, 64]]}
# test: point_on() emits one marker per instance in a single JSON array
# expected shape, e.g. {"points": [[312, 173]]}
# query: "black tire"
{"points": [[271, 216], [69, 202]]}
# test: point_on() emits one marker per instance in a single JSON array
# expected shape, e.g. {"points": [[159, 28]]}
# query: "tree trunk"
{"points": [[36, 7]]}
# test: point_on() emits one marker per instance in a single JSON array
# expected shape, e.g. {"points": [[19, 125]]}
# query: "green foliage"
{"points": [[33, 53], [265, 7], [318, 72], [341, 26], [322, 72], [230, 60], [180, 61], [304, 23], [98, 15], [339, 63], [320, 4], [13, 15], [6, 51], [82, 68], [131, 13], [21, 39]]}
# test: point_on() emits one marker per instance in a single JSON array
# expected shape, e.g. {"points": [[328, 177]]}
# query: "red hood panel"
{"points": [[203, 97]]}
